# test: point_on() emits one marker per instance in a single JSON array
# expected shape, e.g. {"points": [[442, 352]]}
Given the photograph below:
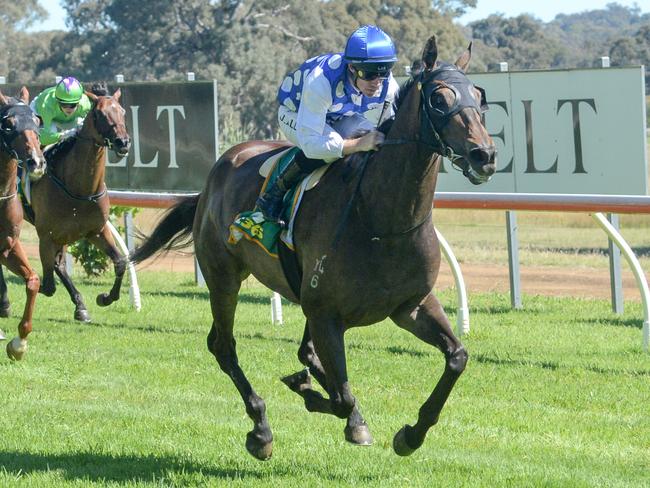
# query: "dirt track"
{"points": [[556, 281], [535, 280]]}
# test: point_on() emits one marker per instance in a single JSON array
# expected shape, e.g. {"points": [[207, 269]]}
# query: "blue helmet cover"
{"points": [[370, 44]]}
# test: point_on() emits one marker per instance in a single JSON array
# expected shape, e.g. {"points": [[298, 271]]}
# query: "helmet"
{"points": [[370, 45], [68, 90]]}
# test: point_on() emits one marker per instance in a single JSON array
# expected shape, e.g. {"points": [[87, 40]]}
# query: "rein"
{"points": [[90, 198]]}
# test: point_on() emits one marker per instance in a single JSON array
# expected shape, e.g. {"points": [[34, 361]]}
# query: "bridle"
{"points": [[24, 117], [433, 119], [106, 142]]}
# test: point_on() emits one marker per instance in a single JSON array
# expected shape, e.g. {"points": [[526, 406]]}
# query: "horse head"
{"points": [[19, 128], [451, 109], [109, 122]]}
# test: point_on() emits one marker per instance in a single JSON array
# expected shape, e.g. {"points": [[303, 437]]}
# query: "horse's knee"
{"points": [[211, 340], [305, 355], [33, 283], [223, 351], [457, 360]]}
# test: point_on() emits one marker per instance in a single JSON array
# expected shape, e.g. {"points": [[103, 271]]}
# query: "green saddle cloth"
{"points": [[251, 224]]}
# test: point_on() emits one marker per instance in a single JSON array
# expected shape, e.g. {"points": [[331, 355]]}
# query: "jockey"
{"points": [[328, 102], [62, 108]]}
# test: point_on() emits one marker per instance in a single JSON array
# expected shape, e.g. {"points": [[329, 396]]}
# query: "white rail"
{"points": [[593, 204]]}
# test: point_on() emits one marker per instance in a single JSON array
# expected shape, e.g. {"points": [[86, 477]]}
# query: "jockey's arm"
{"points": [[314, 140], [49, 133]]}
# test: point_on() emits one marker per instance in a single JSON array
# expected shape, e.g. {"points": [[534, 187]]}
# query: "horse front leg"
{"points": [[17, 263], [80, 311], [429, 323], [104, 241], [5, 306], [48, 251], [356, 429], [327, 337]]}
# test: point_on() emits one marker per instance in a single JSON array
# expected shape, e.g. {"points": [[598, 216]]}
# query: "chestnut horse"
{"points": [[19, 146], [71, 201], [379, 259]]}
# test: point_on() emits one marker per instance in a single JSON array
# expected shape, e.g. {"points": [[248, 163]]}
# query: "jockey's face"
{"points": [[68, 108], [368, 87]]}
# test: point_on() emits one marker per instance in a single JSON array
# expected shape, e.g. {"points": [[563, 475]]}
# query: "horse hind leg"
{"points": [[80, 312], [17, 262], [356, 429], [105, 242], [221, 343], [428, 322]]}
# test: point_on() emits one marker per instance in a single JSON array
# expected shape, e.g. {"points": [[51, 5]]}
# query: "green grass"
{"points": [[554, 395]]}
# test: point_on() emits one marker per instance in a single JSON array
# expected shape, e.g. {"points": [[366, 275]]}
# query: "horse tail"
{"points": [[173, 232]]}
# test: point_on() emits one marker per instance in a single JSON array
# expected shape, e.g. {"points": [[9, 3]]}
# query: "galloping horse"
{"points": [[383, 262], [19, 145], [71, 201]]}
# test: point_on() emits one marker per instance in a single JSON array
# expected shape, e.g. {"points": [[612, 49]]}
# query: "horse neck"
{"points": [[8, 167], [400, 181], [83, 168]]}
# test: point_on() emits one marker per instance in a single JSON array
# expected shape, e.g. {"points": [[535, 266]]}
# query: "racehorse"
{"points": [[19, 146], [71, 202], [379, 260]]}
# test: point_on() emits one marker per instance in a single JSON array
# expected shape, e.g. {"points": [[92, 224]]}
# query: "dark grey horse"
{"points": [[383, 262]]}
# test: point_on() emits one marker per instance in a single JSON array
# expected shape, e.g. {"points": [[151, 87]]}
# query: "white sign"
{"points": [[569, 131]]}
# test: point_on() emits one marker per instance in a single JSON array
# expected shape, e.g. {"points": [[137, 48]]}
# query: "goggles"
{"points": [[372, 71], [68, 105]]}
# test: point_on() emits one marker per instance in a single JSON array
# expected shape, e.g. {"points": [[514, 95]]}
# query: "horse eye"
{"points": [[437, 99]]}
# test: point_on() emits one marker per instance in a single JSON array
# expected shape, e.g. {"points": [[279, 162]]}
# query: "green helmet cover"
{"points": [[68, 90]]}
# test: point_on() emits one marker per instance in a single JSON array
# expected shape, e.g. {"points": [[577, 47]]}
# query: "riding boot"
{"points": [[270, 203]]}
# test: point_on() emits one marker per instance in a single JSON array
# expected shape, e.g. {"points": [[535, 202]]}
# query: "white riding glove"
{"points": [[67, 133]]}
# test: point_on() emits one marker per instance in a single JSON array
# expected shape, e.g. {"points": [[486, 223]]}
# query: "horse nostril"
{"points": [[484, 157]]}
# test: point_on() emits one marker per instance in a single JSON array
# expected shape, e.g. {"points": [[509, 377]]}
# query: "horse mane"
{"points": [[100, 89], [57, 152]]}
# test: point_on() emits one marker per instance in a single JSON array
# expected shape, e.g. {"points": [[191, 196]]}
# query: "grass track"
{"points": [[554, 395]]}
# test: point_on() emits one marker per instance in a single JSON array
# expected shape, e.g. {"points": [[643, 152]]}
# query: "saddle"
{"points": [[251, 224]]}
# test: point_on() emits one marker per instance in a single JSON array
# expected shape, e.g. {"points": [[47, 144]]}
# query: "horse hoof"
{"points": [[400, 446], [257, 449], [16, 348], [298, 381], [5, 311], [104, 300], [82, 315], [358, 435]]}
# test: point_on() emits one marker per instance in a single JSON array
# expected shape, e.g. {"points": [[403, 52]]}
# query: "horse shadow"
{"points": [[96, 467]]}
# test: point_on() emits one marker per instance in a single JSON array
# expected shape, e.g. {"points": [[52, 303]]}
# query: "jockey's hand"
{"points": [[368, 142], [67, 133]]}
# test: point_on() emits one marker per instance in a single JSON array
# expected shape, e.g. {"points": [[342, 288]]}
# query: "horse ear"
{"points": [[24, 95], [3, 99], [463, 61], [117, 94], [430, 53], [92, 96]]}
